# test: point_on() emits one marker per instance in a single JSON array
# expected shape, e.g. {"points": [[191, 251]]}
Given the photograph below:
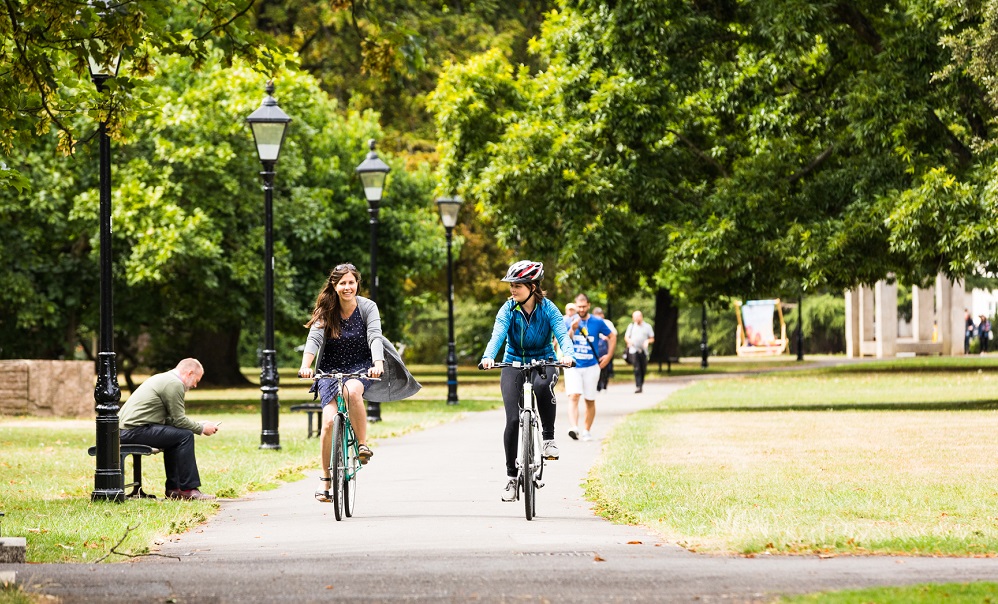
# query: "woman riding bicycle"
{"points": [[345, 335], [527, 321]]}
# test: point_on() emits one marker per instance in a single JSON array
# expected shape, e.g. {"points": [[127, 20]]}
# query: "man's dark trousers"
{"points": [[177, 446], [640, 367]]}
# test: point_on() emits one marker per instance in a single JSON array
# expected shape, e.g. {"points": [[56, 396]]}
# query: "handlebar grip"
{"points": [[481, 366]]}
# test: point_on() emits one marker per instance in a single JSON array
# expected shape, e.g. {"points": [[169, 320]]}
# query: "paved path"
{"points": [[430, 527]]}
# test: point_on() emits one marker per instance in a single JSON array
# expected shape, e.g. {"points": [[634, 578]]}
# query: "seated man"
{"points": [[154, 415]]}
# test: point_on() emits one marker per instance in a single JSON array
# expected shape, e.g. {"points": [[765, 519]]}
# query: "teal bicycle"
{"points": [[344, 458]]}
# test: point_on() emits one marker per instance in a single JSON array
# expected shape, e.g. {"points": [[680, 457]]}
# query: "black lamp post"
{"points": [[703, 336], [449, 207], [800, 328], [108, 482], [269, 125], [372, 173]]}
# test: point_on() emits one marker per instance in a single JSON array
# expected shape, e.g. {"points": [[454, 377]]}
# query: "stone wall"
{"points": [[47, 388]]}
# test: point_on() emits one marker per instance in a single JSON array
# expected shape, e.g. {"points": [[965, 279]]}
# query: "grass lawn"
{"points": [[951, 593], [895, 457], [47, 476]]}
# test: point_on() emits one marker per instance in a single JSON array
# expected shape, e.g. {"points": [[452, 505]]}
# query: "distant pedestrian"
{"points": [[638, 336], [581, 380], [984, 329], [968, 331], [154, 415], [606, 373]]}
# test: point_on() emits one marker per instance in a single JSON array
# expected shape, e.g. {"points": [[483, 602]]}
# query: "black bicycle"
{"points": [[530, 465]]}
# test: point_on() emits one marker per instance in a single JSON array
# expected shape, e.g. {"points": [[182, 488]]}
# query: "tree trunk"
{"points": [[666, 346], [218, 352]]}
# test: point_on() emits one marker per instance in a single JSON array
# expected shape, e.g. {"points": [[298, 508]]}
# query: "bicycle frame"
{"points": [[350, 444]]}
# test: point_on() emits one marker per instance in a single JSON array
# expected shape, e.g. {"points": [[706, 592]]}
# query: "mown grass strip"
{"points": [[951, 593], [833, 462]]}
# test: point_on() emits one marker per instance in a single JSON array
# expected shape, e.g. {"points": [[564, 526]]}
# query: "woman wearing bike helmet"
{"points": [[527, 321]]}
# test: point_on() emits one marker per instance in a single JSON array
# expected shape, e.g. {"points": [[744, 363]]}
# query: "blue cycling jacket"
{"points": [[528, 339]]}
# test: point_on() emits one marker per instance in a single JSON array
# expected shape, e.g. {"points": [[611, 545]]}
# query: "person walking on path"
{"points": [[345, 336], [984, 331], [154, 415], [582, 380], [606, 373], [528, 321], [638, 336]]}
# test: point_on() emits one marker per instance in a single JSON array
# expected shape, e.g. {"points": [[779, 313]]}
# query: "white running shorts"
{"points": [[582, 381]]}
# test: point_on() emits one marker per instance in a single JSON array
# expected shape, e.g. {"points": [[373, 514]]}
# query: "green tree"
{"points": [[188, 221], [45, 44], [729, 148], [386, 55]]}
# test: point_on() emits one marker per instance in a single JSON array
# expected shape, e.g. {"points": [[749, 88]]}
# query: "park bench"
{"points": [[311, 408], [137, 452]]}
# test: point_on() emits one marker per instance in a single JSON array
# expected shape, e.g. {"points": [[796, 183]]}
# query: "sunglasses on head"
{"points": [[347, 266]]}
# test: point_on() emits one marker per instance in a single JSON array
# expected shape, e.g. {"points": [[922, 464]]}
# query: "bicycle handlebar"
{"points": [[524, 366], [339, 376]]}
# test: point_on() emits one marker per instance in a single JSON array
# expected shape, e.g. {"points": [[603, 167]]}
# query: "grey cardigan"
{"points": [[396, 382]]}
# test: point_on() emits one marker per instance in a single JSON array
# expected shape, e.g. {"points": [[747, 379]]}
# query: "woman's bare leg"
{"points": [[358, 411]]}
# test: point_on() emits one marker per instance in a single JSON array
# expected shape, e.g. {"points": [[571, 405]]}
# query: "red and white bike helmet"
{"points": [[524, 271]]}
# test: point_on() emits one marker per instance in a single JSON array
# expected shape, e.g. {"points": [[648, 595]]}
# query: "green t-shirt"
{"points": [[159, 400]]}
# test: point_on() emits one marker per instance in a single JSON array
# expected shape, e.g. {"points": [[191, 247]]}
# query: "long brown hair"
{"points": [[327, 304]]}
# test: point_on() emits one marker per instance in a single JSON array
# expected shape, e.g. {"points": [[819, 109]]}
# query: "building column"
{"points": [[887, 319], [958, 302], [854, 347], [922, 311]]}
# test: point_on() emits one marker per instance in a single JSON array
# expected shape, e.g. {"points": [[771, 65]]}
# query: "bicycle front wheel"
{"points": [[337, 465], [527, 463], [350, 475]]}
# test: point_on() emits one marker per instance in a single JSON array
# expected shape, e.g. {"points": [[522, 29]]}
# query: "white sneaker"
{"points": [[509, 492], [573, 433], [550, 450], [586, 435]]}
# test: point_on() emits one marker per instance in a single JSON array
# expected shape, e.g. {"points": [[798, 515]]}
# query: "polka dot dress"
{"points": [[345, 354]]}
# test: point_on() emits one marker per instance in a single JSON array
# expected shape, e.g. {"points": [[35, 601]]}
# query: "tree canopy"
{"points": [[45, 46], [188, 223], [729, 148]]}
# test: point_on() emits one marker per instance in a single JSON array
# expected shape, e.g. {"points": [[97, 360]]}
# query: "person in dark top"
{"points": [[345, 336]]}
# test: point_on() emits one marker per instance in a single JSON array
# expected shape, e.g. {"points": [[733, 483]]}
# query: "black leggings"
{"points": [[511, 384]]}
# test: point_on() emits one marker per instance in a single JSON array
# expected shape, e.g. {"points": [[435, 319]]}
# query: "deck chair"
{"points": [[755, 328]]}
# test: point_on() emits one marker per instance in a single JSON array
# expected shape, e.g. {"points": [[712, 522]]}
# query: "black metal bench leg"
{"points": [[136, 483]]}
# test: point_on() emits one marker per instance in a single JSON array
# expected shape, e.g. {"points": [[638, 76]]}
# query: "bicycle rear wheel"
{"points": [[350, 475], [337, 467], [527, 463]]}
